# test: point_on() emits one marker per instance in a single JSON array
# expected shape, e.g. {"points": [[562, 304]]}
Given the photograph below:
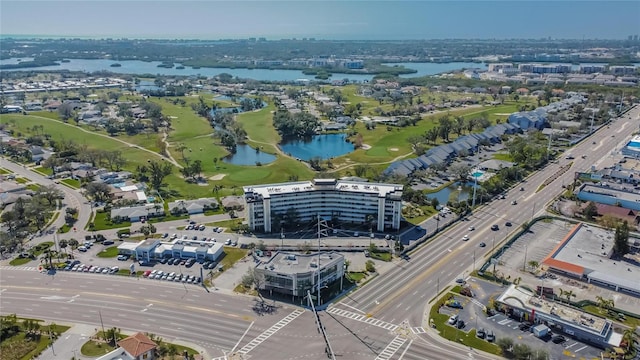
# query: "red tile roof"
{"points": [[137, 344]]}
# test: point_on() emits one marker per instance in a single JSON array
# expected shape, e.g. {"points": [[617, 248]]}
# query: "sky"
{"points": [[339, 19]]}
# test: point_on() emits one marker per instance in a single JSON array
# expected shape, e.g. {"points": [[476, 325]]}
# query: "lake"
{"points": [[246, 155], [444, 194], [323, 146], [137, 67]]}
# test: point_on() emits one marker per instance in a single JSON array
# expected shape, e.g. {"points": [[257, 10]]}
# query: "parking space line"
{"points": [[582, 348], [572, 345]]}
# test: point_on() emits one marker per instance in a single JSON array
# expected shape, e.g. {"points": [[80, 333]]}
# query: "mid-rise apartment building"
{"points": [[351, 202]]}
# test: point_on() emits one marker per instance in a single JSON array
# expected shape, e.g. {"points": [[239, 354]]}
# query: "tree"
{"points": [[505, 344], [148, 229], [63, 244], [98, 191], [157, 172], [66, 111], [370, 266], [629, 341], [590, 211], [522, 351], [51, 193], [621, 239]]}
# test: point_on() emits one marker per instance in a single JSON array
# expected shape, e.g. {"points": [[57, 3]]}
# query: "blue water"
{"points": [[323, 146], [119, 185], [137, 67], [444, 193], [477, 174], [246, 155], [633, 144]]}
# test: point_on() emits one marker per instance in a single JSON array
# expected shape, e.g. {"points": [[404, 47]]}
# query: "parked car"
{"points": [[558, 339], [495, 227], [453, 319], [460, 324], [163, 260], [491, 336], [108, 242], [471, 228], [123, 257], [481, 333]]}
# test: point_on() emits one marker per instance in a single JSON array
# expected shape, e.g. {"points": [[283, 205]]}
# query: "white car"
{"points": [[228, 242], [453, 319], [465, 238], [471, 228]]}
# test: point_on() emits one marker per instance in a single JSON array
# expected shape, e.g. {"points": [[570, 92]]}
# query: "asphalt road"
{"points": [[384, 320], [402, 293], [72, 198]]}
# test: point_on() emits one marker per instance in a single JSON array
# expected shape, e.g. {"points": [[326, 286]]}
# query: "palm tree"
{"points": [[210, 275], [63, 245], [569, 294], [629, 341]]}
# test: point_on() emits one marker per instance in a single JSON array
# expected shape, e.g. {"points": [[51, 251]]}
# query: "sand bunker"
{"points": [[217, 177]]}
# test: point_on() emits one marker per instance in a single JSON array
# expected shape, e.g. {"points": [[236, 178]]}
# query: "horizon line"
{"points": [[275, 38]]}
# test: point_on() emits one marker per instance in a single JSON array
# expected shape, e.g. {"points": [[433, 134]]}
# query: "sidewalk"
{"points": [[69, 343]]}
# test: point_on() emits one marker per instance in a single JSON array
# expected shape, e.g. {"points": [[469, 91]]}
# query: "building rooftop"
{"points": [[524, 299], [292, 263], [587, 252], [268, 190]]}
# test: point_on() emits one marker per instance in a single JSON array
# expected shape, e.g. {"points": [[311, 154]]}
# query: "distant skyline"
{"points": [[333, 20]]}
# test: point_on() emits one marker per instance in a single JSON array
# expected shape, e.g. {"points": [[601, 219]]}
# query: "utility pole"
{"points": [[104, 334], [593, 114]]}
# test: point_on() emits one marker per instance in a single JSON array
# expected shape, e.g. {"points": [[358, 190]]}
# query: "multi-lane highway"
{"points": [[384, 320]]}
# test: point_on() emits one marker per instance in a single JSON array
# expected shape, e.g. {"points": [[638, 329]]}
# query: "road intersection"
{"points": [[383, 320]]}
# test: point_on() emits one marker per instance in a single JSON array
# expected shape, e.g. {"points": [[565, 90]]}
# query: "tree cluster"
{"points": [[295, 125], [28, 216]]}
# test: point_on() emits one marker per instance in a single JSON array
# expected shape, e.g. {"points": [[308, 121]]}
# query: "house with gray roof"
{"points": [[137, 213], [197, 206]]}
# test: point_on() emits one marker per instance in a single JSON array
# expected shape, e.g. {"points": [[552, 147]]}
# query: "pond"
{"points": [[444, 195], [324, 146], [246, 155]]}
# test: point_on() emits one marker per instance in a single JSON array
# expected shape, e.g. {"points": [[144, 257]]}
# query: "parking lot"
{"points": [[471, 313]]}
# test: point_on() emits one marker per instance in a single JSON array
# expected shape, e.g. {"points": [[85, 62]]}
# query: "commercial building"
{"points": [[295, 274], [351, 202], [521, 303], [152, 249], [585, 254]]}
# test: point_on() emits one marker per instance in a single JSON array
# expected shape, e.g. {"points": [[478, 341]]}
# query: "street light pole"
{"points": [[524, 263]]}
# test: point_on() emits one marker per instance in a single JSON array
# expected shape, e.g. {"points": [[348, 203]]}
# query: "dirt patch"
{"points": [[365, 146], [217, 177], [393, 149], [502, 114]]}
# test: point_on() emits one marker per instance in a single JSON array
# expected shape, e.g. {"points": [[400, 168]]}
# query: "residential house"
{"points": [[137, 213], [190, 207]]}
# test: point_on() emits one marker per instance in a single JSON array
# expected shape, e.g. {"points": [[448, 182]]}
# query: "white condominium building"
{"points": [[345, 201]]}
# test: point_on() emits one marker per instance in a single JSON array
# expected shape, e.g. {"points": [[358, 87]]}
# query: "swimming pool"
{"points": [[477, 174], [634, 144]]}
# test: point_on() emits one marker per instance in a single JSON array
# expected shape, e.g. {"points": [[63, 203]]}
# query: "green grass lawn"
{"points": [[95, 348], [381, 255], [4, 171], [59, 130], [356, 276], [259, 125], [73, 183], [102, 221], [227, 224], [232, 255], [43, 170], [19, 261], [111, 251], [19, 347], [21, 180], [33, 187]]}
